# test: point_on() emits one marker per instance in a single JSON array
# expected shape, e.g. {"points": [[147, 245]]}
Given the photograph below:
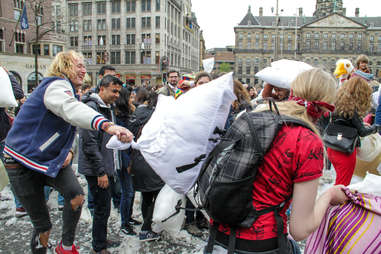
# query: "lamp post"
{"points": [[142, 48]]}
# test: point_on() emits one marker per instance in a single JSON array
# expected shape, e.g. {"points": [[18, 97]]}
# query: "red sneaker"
{"points": [[61, 250]]}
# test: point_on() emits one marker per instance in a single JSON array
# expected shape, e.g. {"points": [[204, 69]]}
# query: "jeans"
{"points": [[28, 185], [148, 203], [102, 208], [115, 195], [127, 196]]}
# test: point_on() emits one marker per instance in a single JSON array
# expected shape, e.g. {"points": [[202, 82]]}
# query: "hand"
{"points": [[337, 194], [68, 159], [184, 85], [122, 133], [103, 181]]}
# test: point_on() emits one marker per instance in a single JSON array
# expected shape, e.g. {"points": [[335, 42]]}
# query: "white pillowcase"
{"points": [[179, 130], [7, 98], [283, 72]]}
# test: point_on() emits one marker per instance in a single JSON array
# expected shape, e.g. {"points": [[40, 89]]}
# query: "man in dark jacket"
{"points": [[98, 163]]}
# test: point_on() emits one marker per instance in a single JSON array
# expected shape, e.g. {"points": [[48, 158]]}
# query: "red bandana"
{"points": [[313, 107]]}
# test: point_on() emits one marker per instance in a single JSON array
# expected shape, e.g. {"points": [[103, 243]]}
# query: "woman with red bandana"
{"points": [[353, 102], [290, 171]]}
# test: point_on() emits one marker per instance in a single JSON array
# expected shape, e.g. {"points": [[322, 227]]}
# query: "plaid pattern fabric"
{"points": [[237, 157]]}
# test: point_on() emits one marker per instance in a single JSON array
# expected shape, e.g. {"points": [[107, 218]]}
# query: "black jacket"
{"points": [[144, 178], [5, 124], [94, 158]]}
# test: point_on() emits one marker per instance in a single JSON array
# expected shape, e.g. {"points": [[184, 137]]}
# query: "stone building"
{"points": [[140, 38], [319, 40], [221, 55], [17, 46]]}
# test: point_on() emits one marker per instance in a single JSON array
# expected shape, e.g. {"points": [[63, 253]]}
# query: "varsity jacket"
{"points": [[44, 129]]}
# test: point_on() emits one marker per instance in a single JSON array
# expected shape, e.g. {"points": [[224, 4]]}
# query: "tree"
{"points": [[43, 24], [225, 67]]}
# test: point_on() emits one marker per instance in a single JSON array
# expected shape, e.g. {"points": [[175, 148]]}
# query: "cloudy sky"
{"points": [[217, 18]]}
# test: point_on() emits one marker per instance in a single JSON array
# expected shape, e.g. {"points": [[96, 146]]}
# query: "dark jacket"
{"points": [[5, 124], [144, 178], [122, 120], [94, 158]]}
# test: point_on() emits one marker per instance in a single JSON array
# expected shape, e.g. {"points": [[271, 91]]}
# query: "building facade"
{"points": [[140, 38], [18, 47], [221, 56], [319, 40]]}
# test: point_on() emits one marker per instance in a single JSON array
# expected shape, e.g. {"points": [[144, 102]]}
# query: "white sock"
{"points": [[66, 247]]}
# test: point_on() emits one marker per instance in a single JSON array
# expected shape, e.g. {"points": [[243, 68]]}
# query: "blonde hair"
{"points": [[353, 96], [63, 64], [311, 85]]}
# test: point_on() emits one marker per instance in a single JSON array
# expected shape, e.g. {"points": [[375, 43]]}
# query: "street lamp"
{"points": [[142, 48]]}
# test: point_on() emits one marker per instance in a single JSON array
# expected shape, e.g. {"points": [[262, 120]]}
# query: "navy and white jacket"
{"points": [[44, 129]]}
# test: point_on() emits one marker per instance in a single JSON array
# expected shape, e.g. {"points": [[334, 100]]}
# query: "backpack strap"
{"points": [[212, 238], [192, 165], [232, 240]]}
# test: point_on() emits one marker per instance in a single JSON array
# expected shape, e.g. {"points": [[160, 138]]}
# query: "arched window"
{"points": [[32, 84]]}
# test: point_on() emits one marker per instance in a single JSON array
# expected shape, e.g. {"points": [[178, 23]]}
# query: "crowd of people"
{"points": [[65, 117]]}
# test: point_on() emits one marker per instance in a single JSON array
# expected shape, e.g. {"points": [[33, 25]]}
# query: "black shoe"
{"points": [[202, 223], [134, 222], [127, 230], [113, 243], [35, 244]]}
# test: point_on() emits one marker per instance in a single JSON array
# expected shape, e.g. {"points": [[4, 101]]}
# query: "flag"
{"points": [[24, 19]]}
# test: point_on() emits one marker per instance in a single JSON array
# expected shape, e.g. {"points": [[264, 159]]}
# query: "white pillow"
{"points": [[7, 98], [208, 64], [283, 72], [179, 130], [165, 206]]}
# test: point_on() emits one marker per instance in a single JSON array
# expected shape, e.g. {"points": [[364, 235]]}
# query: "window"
{"points": [[87, 9], [157, 21], [115, 6], [87, 40], [146, 5], [19, 37], [57, 49], [101, 40], [130, 5], [36, 49], [58, 26], [19, 4], [115, 57], [101, 7], [333, 45], [101, 24], [130, 23], [325, 35], [157, 5], [88, 57], [101, 57], [1, 40], [146, 38], [317, 36], [19, 48], [115, 39], [73, 10], [73, 26], [372, 38], [74, 41], [58, 10], [157, 38], [115, 24], [130, 57], [316, 44], [130, 39], [146, 22], [46, 49], [325, 45], [87, 25], [248, 69]]}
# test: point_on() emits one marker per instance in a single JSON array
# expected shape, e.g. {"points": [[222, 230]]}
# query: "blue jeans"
{"points": [[378, 112], [127, 196]]}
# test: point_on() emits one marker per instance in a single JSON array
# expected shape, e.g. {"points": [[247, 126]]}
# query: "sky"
{"points": [[217, 18]]}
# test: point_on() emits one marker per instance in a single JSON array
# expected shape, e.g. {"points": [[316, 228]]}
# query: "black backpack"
{"points": [[225, 182]]}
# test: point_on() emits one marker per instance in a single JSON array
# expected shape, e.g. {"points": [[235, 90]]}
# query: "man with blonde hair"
{"points": [[38, 148]]}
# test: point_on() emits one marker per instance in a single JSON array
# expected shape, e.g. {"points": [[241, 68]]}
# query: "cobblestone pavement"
{"points": [[16, 232]]}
